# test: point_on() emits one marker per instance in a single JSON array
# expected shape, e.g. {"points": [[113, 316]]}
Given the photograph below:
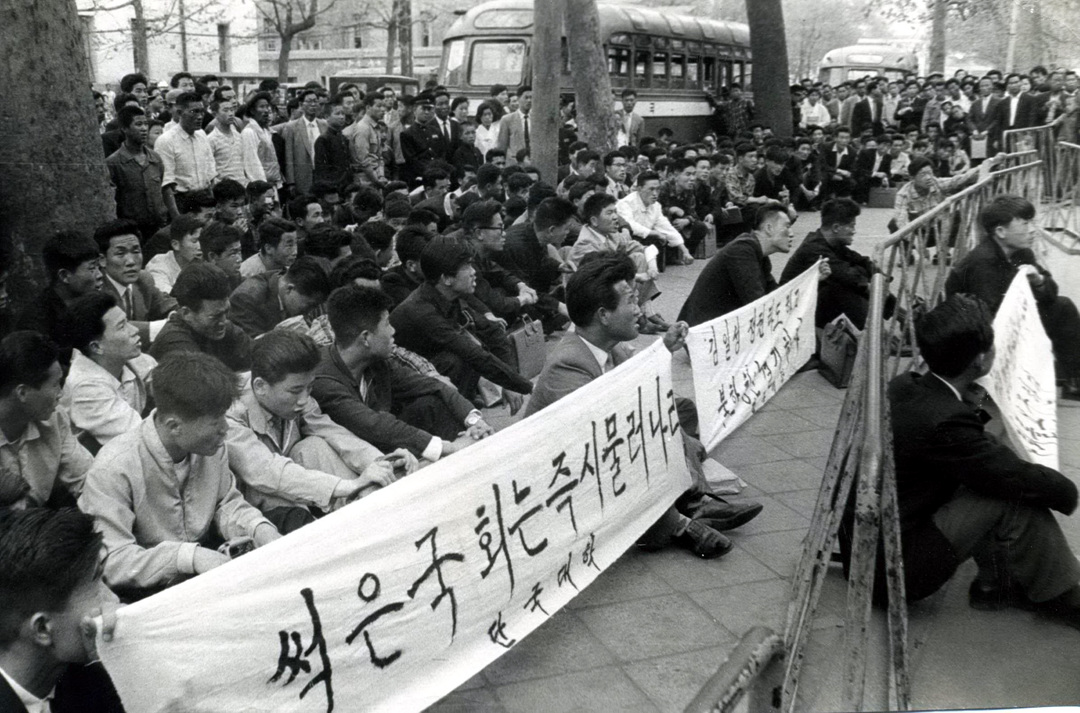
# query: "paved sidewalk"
{"points": [[652, 628]]}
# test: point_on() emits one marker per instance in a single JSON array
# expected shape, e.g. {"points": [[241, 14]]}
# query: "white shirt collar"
{"points": [[120, 289], [32, 703], [599, 354], [951, 387]]}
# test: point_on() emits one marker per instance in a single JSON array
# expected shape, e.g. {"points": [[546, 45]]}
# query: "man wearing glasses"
{"points": [[300, 135], [642, 213], [187, 156]]}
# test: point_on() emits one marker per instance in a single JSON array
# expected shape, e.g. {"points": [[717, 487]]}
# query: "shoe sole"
{"points": [[730, 523]]}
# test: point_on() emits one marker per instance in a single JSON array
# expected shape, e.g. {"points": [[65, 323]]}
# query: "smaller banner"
{"points": [[742, 358], [1022, 378]]}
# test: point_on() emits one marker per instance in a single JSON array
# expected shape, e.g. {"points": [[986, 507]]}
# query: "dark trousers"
{"points": [[430, 413], [834, 300], [1062, 324]]}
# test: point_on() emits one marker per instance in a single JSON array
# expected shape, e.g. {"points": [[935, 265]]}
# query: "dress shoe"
{"points": [[703, 541], [723, 515]]}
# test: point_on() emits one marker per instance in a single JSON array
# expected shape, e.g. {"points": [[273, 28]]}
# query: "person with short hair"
{"points": [[186, 154], [741, 272], [502, 291], [225, 139], [146, 306], [366, 144], [300, 136], [262, 301], [221, 245], [390, 406], [630, 123], [72, 269], [51, 592], [41, 462], [186, 248], [163, 494], [332, 161], [201, 320], [286, 453], [256, 143], [644, 215], [106, 390], [430, 322], [925, 190], [277, 248], [136, 173], [962, 494], [399, 281], [1006, 249], [515, 128]]}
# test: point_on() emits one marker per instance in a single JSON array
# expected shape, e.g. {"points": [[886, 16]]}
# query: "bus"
{"points": [[867, 59], [369, 82], [673, 62]]}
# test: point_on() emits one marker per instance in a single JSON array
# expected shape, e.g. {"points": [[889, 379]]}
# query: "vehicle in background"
{"points": [[673, 62], [869, 58], [368, 82]]}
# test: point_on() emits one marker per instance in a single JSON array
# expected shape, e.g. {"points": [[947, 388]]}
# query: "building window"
{"points": [[271, 45], [357, 39]]}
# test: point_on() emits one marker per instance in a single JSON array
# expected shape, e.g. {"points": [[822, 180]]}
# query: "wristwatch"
{"points": [[473, 418]]}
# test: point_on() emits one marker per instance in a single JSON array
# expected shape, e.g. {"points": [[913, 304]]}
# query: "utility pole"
{"points": [[546, 73]]}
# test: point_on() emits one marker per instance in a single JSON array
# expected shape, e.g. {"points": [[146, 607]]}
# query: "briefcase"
{"points": [[882, 197], [731, 216], [839, 345], [707, 247], [527, 347]]}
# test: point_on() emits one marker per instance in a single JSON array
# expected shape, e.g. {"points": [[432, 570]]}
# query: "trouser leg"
{"points": [[460, 374], [314, 453], [1062, 324], [430, 413]]}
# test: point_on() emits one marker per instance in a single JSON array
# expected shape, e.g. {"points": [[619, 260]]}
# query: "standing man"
{"points": [[419, 141], [333, 165], [225, 140], [1018, 110], [136, 172], [983, 116], [739, 112], [449, 131], [515, 128], [630, 124], [300, 135], [257, 145], [365, 141], [868, 111], [187, 155]]}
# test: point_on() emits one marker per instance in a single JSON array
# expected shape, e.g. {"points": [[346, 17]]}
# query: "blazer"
{"points": [[254, 306], [512, 135], [633, 136], [861, 119], [864, 164], [570, 366], [419, 145], [847, 163], [81, 689], [983, 120], [300, 154], [440, 146], [1027, 113], [736, 276], [149, 304]]}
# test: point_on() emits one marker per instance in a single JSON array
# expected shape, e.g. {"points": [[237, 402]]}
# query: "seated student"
{"points": [[873, 166], [72, 269], [262, 301], [399, 281], [503, 292], [847, 288], [163, 494], [277, 248], [201, 322], [962, 493], [222, 245], [741, 272], [185, 249], [437, 322], [50, 595], [645, 217], [201, 206], [41, 462], [388, 405], [145, 305], [105, 392], [678, 196], [286, 453], [307, 214], [600, 299], [988, 270]]}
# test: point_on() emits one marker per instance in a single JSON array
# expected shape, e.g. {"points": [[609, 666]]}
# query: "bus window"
{"points": [[678, 71], [659, 69], [693, 72], [708, 73], [642, 61], [452, 66], [496, 62], [725, 73], [618, 62], [748, 77], [737, 73]]}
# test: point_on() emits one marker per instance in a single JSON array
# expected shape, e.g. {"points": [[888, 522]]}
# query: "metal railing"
{"points": [[1062, 223]]}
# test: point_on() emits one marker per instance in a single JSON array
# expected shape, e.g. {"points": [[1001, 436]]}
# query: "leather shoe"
{"points": [[703, 541], [723, 515]]}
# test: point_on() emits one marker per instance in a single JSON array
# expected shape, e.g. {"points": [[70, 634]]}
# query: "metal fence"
{"points": [[1062, 223]]}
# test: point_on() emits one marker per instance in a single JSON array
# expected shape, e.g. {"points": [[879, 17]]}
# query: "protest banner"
{"points": [[1021, 380], [397, 599], [742, 358]]}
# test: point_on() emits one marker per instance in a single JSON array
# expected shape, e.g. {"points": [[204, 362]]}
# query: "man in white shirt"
{"points": [[225, 139], [644, 216], [813, 112], [186, 154], [256, 145], [184, 233]]}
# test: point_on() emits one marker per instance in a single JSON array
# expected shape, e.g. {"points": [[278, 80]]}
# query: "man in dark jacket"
{"points": [[962, 493], [988, 270], [262, 301], [399, 281]]}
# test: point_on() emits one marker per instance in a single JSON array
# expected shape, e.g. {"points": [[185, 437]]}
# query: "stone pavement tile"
{"points": [[560, 645], [627, 578], [599, 689], [796, 395], [801, 501], [673, 681], [809, 444], [737, 451], [781, 476], [779, 551], [477, 700], [820, 417], [477, 681], [658, 626], [778, 421], [689, 574], [741, 607], [774, 517]]}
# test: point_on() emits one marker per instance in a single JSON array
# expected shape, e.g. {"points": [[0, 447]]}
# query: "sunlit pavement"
{"points": [[648, 633]]}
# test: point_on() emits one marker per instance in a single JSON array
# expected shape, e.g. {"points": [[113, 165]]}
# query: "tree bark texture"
{"points": [[937, 37], [597, 122], [405, 43], [768, 43], [52, 169], [138, 39], [546, 70]]}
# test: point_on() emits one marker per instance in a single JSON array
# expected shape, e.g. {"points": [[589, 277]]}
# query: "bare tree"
{"points": [[289, 18], [598, 125]]}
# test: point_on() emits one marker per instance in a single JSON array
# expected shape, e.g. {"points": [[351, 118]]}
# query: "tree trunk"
{"points": [[405, 43], [138, 39], [546, 56], [937, 37], [50, 179], [391, 40], [772, 93], [597, 122], [283, 57]]}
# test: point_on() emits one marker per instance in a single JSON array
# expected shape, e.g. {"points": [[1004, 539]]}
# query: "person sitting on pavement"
{"points": [[277, 248], [184, 248], [741, 272], [51, 593], [847, 288], [147, 307], [925, 190], [400, 280], [962, 493], [989, 269], [289, 456], [360, 387], [262, 301], [600, 299], [643, 214], [221, 245], [440, 323], [41, 462], [107, 387], [72, 269], [502, 291], [678, 196]]}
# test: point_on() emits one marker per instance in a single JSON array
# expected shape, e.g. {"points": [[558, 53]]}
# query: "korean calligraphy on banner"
{"points": [[395, 600], [1021, 380], [742, 358]]}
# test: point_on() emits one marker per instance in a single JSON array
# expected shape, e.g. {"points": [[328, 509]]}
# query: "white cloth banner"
{"points": [[395, 600], [1021, 380], [742, 358]]}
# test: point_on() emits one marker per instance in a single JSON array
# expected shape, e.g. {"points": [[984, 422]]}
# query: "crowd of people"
{"points": [[303, 299]]}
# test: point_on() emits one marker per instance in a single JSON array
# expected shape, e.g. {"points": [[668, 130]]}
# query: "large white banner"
{"points": [[742, 358], [1022, 378], [395, 600]]}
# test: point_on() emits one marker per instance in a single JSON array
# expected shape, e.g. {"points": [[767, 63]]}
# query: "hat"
{"points": [[425, 97], [917, 164], [497, 89], [173, 95]]}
